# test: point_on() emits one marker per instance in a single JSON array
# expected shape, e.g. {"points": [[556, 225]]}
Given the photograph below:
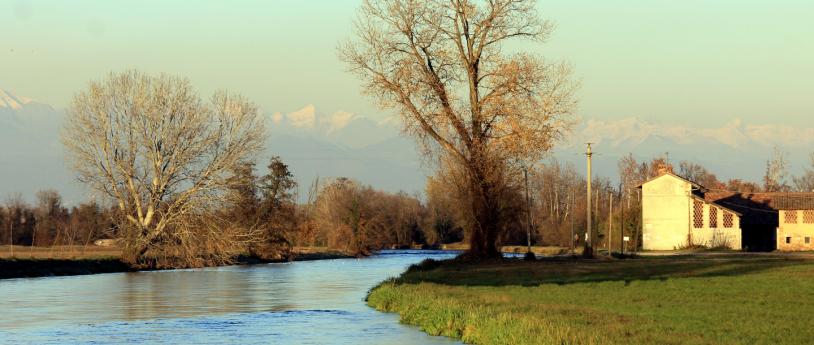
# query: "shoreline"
{"points": [[15, 268]]}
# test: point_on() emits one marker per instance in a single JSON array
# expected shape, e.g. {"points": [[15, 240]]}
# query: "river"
{"points": [[308, 302]]}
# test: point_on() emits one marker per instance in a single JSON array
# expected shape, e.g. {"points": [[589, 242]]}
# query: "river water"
{"points": [[309, 302]]}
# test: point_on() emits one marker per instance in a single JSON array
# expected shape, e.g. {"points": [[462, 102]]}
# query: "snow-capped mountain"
{"points": [[31, 155], [340, 127], [734, 150], [317, 145], [371, 150]]}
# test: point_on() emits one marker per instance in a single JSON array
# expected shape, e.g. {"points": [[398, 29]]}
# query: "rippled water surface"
{"points": [[311, 302]]}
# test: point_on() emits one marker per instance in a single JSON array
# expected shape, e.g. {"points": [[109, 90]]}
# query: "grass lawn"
{"points": [[721, 299]]}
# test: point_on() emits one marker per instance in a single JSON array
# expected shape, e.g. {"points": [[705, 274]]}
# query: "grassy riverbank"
{"points": [[29, 262], [723, 299]]}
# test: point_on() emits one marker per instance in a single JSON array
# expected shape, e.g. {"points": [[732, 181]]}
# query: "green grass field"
{"points": [[721, 299]]}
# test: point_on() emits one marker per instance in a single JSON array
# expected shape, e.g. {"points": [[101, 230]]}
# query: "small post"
{"points": [[11, 237]]}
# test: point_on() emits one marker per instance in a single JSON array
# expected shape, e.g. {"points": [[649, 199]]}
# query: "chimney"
{"points": [[665, 168]]}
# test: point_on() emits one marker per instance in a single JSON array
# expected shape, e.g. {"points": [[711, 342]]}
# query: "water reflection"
{"points": [[304, 302]]}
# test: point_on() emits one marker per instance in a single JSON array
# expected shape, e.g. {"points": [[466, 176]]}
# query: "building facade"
{"points": [[675, 215], [796, 229], [678, 213]]}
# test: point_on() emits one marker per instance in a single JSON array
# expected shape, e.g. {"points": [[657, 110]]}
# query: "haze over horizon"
{"points": [[693, 62]]}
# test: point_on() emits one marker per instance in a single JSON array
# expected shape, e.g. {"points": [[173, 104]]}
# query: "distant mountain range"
{"points": [[341, 143]]}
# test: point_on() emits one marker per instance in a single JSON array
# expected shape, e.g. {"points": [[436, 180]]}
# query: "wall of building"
{"points": [[721, 235], [791, 236], [665, 213], [667, 218]]}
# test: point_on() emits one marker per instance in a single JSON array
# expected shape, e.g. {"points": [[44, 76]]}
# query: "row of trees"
{"points": [[49, 223], [262, 219], [558, 201]]}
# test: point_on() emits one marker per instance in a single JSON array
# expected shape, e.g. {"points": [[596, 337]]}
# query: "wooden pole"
{"points": [[528, 211], [622, 220], [573, 214], [610, 224]]}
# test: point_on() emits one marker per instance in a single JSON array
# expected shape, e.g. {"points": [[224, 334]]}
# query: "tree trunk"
{"points": [[485, 231]]}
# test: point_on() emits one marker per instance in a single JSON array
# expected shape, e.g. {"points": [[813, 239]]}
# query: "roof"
{"points": [[792, 201], [697, 186], [730, 209], [755, 208]]}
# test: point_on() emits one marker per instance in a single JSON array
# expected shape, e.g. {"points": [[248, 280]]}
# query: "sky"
{"points": [[699, 63]]}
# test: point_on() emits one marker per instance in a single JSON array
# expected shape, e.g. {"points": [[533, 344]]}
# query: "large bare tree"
{"points": [[444, 66], [161, 153]]}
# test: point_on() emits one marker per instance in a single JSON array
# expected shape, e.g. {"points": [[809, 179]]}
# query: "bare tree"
{"points": [[805, 182], [161, 153], [698, 174], [777, 168], [442, 66]]}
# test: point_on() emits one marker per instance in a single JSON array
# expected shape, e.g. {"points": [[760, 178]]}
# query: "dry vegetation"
{"points": [[483, 111], [60, 252]]}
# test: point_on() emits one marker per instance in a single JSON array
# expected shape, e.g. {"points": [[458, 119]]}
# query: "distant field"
{"points": [[539, 250], [60, 252], [721, 299]]}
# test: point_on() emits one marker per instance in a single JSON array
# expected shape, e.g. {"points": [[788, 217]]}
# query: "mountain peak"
{"points": [[10, 100]]}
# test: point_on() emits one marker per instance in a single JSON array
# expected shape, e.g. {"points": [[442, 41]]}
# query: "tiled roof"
{"points": [[761, 208], [755, 209], [793, 201]]}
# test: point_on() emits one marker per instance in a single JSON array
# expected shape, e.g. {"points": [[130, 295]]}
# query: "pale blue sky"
{"points": [[696, 62]]}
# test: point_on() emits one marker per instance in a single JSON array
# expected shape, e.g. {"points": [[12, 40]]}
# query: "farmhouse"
{"points": [[678, 213]]}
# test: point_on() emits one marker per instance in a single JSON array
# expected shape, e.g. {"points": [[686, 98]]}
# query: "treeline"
{"points": [[259, 215], [340, 214], [559, 196], [49, 223]]}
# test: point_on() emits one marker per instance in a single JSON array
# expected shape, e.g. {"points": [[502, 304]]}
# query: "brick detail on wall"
{"points": [[790, 217], [713, 217], [728, 220], [698, 214]]}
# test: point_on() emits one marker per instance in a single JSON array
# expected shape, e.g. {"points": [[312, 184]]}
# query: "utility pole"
{"points": [[528, 210], [573, 214], [588, 252], [610, 224], [622, 219]]}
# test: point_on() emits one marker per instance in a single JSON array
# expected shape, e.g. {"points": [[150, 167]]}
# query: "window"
{"points": [[788, 239], [713, 217], [698, 214], [729, 220], [808, 240], [791, 217], [808, 216]]}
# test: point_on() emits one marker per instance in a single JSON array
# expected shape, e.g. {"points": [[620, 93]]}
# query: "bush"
{"points": [[423, 266]]}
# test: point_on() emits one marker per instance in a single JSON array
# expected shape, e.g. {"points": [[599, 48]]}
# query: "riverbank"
{"points": [[34, 262], [653, 300]]}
